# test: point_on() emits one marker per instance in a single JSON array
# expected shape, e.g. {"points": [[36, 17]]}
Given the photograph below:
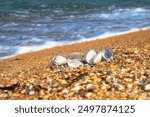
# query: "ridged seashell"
{"points": [[74, 63], [97, 58], [58, 60], [90, 56], [75, 56], [106, 54]]}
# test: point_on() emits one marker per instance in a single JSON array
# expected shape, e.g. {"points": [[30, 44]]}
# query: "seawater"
{"points": [[27, 25]]}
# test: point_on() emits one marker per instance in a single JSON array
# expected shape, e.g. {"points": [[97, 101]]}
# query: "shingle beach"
{"points": [[126, 76]]}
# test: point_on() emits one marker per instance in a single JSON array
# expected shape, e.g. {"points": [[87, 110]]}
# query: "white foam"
{"points": [[110, 34], [50, 44]]}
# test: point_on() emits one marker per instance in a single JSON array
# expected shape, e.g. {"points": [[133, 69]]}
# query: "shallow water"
{"points": [[29, 25]]}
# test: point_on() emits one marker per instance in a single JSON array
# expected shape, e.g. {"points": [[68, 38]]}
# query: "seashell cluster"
{"points": [[75, 59]]}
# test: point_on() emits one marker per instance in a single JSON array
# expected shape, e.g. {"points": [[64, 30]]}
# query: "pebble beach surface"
{"points": [[126, 76]]}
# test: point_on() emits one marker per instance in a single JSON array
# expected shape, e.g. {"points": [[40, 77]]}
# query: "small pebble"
{"points": [[89, 87], [129, 86], [31, 93], [147, 87], [64, 82], [120, 87]]}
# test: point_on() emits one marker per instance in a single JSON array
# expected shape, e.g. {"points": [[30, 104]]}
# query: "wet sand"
{"points": [[125, 76]]}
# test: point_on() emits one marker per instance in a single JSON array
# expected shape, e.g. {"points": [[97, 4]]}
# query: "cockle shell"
{"points": [[74, 63], [58, 60], [106, 54], [75, 56], [90, 56], [97, 58]]}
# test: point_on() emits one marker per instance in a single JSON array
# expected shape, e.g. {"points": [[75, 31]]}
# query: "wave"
{"points": [[50, 44]]}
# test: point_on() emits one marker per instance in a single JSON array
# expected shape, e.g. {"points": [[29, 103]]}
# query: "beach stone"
{"points": [[65, 91], [129, 80], [1, 86], [64, 82], [76, 89], [147, 87], [90, 87], [129, 86], [31, 93], [120, 87], [89, 94], [54, 85]]}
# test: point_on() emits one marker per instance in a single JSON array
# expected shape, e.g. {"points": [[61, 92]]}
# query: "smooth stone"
{"points": [[76, 89], [129, 86], [89, 87], [147, 87], [65, 91], [63, 82], [31, 93], [120, 87], [88, 95]]}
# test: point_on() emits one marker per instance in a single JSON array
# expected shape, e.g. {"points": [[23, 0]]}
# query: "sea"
{"points": [[30, 25]]}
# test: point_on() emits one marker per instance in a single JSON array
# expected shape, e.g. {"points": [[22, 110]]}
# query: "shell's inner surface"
{"points": [[74, 63], [106, 53], [58, 60], [75, 56], [97, 58], [90, 56]]}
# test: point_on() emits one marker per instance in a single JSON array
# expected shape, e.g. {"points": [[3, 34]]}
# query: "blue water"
{"points": [[27, 25]]}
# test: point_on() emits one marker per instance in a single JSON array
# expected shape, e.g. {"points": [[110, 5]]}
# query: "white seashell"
{"points": [[75, 56], [106, 54], [58, 60], [74, 63], [90, 56], [97, 58]]}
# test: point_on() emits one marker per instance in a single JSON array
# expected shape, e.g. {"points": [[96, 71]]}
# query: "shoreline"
{"points": [[129, 66], [104, 36]]}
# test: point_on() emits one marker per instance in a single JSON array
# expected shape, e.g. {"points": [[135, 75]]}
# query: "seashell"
{"points": [[74, 63], [106, 54], [58, 60], [97, 58], [75, 56], [90, 56]]}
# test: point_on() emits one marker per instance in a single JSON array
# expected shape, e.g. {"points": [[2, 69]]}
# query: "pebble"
{"points": [[31, 93], [147, 87], [129, 85], [76, 89], [65, 91], [88, 95], [90, 87], [120, 87], [54, 85], [64, 82]]}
